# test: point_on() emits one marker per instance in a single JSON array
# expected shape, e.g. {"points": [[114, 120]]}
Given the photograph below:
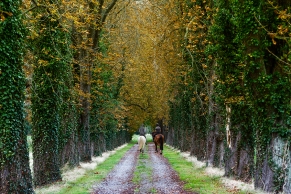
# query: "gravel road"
{"points": [[156, 175]]}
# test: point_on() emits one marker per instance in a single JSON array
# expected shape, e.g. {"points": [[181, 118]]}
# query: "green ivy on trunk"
{"points": [[51, 73], [15, 174]]}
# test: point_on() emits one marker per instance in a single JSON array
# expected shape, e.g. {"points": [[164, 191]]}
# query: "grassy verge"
{"points": [[195, 178], [84, 183]]}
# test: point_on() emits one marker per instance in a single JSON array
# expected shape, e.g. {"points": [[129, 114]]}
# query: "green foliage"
{"points": [[246, 61], [13, 143], [105, 104], [249, 78], [12, 79], [50, 98], [188, 114], [195, 179]]}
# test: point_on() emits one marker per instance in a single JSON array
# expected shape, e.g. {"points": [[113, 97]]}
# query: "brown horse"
{"points": [[159, 141]]}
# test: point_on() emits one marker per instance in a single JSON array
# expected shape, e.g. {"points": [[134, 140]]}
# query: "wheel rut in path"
{"points": [[119, 180], [163, 179]]}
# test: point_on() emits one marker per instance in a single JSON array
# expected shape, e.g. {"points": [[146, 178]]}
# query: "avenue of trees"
{"points": [[82, 76], [233, 105]]}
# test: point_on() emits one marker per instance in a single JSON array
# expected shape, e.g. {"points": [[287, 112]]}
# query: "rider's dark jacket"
{"points": [[158, 129]]}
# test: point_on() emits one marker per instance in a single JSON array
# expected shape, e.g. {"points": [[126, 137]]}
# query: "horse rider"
{"points": [[142, 131], [157, 130]]}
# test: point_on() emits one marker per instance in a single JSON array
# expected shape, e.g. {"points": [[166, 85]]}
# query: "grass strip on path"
{"points": [[141, 171], [195, 179], [143, 174]]}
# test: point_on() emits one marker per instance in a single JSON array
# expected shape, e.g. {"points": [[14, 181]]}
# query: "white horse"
{"points": [[141, 143]]}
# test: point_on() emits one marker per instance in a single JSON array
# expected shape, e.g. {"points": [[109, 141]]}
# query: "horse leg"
{"points": [[161, 149], [161, 144], [143, 148]]}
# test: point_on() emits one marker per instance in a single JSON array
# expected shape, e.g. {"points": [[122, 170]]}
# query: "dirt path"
{"points": [[156, 175], [119, 180]]}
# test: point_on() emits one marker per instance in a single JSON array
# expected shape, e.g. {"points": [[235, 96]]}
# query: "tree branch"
{"points": [[106, 12], [278, 58], [100, 22], [136, 105], [101, 2]]}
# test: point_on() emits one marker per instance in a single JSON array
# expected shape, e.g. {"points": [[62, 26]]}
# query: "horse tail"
{"points": [[141, 142], [161, 142]]}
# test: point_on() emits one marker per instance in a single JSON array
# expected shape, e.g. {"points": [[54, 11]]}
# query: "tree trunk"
{"points": [[273, 172], [93, 38], [240, 143], [15, 174], [215, 137], [47, 98], [85, 149], [15, 177], [70, 152], [215, 143]]}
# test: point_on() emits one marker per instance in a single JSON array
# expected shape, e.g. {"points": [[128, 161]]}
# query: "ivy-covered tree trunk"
{"points": [[250, 40], [68, 149], [84, 134], [216, 133], [83, 74], [50, 76], [235, 133], [15, 174], [271, 87], [265, 90], [239, 152]]}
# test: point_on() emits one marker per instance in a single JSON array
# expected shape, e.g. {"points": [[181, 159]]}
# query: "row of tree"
{"points": [[79, 74], [233, 105], [215, 72], [52, 58]]}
